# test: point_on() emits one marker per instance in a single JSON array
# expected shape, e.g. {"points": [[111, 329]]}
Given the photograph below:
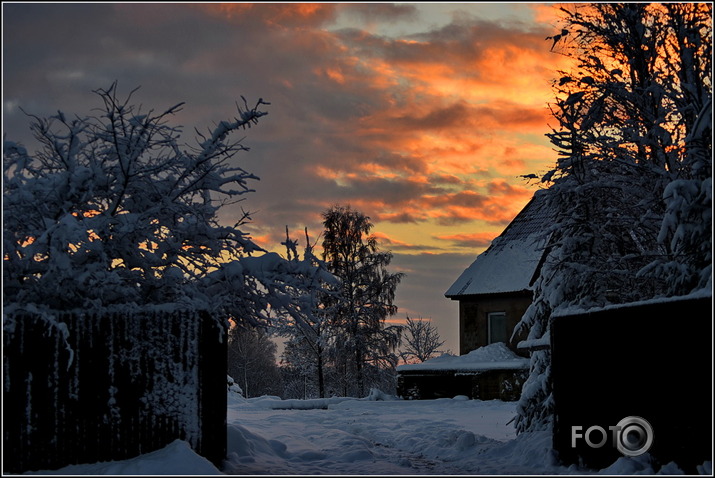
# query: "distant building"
{"points": [[493, 294], [493, 372], [495, 291]]}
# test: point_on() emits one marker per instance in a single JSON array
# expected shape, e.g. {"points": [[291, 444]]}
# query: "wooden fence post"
{"points": [[213, 352]]}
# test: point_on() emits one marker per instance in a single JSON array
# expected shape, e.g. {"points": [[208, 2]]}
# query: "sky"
{"points": [[423, 116]]}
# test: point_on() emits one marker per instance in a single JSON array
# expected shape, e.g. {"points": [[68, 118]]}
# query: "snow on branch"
{"points": [[114, 210]]}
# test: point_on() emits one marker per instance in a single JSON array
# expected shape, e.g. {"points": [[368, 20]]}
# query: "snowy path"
{"points": [[377, 437], [365, 437]]}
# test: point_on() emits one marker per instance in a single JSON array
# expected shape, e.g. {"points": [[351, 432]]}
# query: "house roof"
{"points": [[509, 264]]}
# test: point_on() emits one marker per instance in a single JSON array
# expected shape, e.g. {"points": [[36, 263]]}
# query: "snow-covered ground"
{"points": [[370, 436]]}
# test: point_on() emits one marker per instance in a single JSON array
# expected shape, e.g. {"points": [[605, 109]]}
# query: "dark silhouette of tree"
{"points": [[362, 344], [252, 362], [632, 186], [420, 340]]}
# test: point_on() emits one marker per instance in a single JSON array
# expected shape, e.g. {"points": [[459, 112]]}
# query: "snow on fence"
{"points": [[91, 387], [651, 360]]}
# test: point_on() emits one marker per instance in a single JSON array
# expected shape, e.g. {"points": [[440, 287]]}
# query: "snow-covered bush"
{"points": [[688, 209], [113, 210], [233, 387], [378, 395]]}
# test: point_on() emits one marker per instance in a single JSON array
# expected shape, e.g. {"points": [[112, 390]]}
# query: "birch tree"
{"points": [[363, 344]]}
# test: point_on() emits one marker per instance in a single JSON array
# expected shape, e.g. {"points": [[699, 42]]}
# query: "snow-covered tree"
{"points": [[300, 371], [113, 210], [308, 327], [632, 186], [252, 362], [420, 340], [363, 344]]}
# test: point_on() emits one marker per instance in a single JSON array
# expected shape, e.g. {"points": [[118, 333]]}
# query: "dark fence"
{"points": [[649, 360], [84, 388]]}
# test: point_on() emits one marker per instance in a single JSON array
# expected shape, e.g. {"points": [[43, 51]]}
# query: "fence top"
{"points": [[701, 294]]}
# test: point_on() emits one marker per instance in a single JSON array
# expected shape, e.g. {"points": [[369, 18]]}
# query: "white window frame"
{"points": [[491, 315]]}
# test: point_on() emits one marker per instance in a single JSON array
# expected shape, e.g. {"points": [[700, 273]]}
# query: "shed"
{"points": [[493, 372]]}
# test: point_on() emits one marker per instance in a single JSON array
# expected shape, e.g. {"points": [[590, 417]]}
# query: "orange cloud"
{"points": [[475, 240], [430, 128]]}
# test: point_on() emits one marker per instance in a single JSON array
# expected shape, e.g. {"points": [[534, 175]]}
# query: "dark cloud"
{"points": [[390, 244], [426, 129], [380, 12], [403, 217], [461, 115], [438, 118]]}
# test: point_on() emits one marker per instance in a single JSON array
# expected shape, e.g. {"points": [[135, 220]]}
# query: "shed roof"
{"points": [[509, 264], [495, 356]]}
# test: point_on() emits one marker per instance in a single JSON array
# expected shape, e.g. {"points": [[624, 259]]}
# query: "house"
{"points": [[493, 294], [496, 289]]}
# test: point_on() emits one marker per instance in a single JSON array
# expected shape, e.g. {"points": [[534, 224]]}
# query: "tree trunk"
{"points": [[321, 377], [358, 373]]}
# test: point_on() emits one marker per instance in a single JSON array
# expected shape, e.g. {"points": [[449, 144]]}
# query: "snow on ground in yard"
{"points": [[376, 435], [363, 437]]}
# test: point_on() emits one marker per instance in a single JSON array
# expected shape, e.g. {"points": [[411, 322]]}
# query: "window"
{"points": [[496, 327]]}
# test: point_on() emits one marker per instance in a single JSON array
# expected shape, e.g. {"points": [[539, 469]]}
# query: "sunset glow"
{"points": [[423, 117]]}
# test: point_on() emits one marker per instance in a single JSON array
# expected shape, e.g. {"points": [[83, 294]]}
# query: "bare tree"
{"points": [[252, 362], [421, 341]]}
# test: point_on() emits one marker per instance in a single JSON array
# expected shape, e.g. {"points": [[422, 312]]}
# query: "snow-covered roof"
{"points": [[490, 357], [509, 263]]}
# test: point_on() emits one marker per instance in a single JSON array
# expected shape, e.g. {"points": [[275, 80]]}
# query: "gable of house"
{"points": [[510, 262], [496, 289]]}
